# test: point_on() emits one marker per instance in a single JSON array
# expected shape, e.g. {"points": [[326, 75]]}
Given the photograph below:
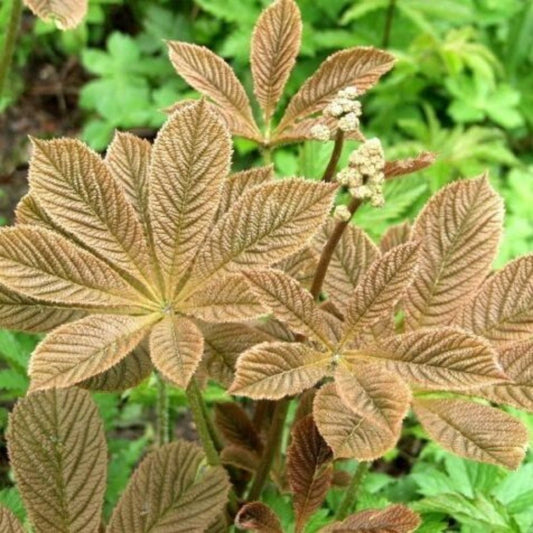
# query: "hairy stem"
{"points": [[335, 156], [388, 24], [350, 496], [273, 443], [329, 248], [162, 411], [9, 42]]}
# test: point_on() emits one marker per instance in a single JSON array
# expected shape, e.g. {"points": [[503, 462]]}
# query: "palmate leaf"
{"points": [[171, 490], [67, 13], [176, 347], [473, 430], [259, 518], [351, 258], [30, 211], [42, 264], [77, 351], [460, 229], [77, 191], [9, 522], [275, 45], [190, 158], [381, 287], [213, 77], [58, 452], [393, 519], [348, 434], [309, 469], [502, 309], [22, 313], [373, 392], [266, 224], [272, 370], [516, 360], [225, 299], [360, 67], [128, 159], [435, 358], [290, 303]]}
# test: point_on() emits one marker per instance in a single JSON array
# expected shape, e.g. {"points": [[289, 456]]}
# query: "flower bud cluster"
{"points": [[364, 176], [344, 109]]}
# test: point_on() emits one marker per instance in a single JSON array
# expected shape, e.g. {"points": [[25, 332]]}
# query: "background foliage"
{"points": [[461, 88]]}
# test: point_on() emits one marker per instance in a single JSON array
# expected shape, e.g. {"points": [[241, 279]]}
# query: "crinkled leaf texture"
{"points": [[67, 13], [436, 358], [236, 427], [393, 519], [349, 434], [309, 469], [275, 45], [502, 309], [259, 518], [459, 230], [137, 241], [172, 490], [474, 431], [360, 67], [9, 522], [58, 452]]}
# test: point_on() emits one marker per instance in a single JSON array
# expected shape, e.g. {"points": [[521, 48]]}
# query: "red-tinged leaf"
{"points": [[258, 517]]}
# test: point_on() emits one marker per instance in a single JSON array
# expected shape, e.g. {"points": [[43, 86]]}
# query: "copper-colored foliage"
{"points": [[516, 360], [129, 242], [309, 469], [360, 66], [502, 309], [236, 427], [400, 167], [67, 13], [9, 522], [171, 490], [394, 236], [258, 517], [393, 519], [459, 230], [473, 430], [275, 45], [213, 77], [351, 258], [56, 444]]}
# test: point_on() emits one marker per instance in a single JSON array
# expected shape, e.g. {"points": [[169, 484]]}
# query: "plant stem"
{"points": [[335, 155], [9, 43], [194, 397], [162, 411], [388, 24], [201, 420], [329, 248], [273, 443], [350, 495]]}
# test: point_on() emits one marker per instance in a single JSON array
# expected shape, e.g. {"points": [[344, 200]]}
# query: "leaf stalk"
{"points": [[350, 496]]}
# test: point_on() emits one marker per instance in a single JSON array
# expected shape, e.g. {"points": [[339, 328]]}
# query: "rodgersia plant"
{"points": [[157, 257]]}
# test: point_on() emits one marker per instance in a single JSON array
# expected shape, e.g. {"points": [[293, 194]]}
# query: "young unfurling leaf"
{"points": [[171, 490], [88, 247], [58, 452], [258, 517]]}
